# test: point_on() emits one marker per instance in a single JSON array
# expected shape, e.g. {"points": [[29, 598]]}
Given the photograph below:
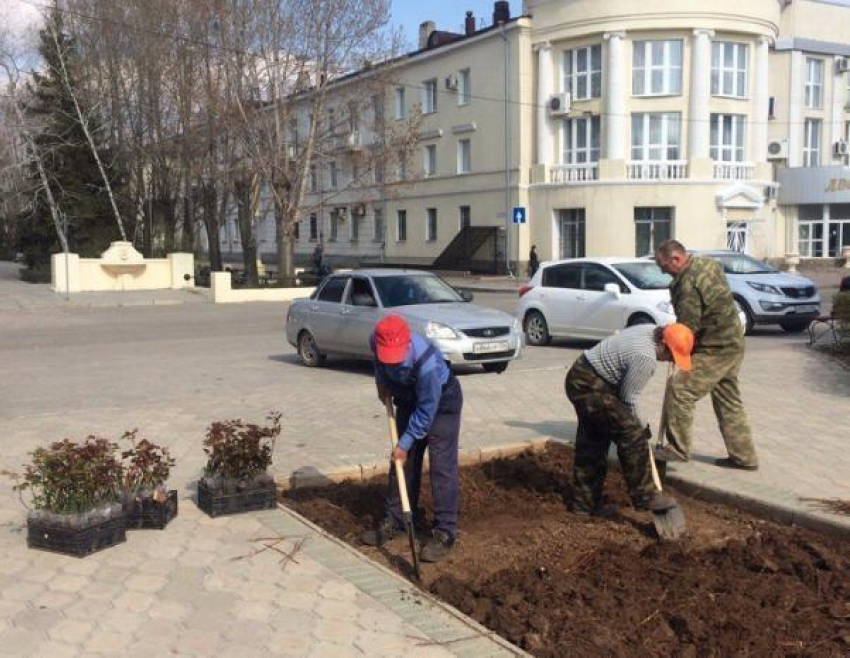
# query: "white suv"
{"points": [[593, 298]]}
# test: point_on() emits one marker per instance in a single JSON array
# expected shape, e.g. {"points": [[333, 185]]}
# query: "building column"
{"points": [[545, 89], [615, 99], [795, 110], [699, 117], [762, 98]]}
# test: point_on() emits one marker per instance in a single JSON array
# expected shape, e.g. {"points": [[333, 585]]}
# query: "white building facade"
{"points": [[616, 125]]}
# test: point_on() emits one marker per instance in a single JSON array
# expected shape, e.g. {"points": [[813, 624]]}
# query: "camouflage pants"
{"points": [[717, 375], [603, 419]]}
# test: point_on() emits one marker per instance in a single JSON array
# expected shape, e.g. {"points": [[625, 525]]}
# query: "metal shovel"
{"points": [[402, 487], [669, 523]]}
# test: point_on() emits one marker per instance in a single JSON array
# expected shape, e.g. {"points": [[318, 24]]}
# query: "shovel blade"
{"points": [[670, 524], [411, 537]]}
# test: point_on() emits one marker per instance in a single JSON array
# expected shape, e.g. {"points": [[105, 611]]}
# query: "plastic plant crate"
{"points": [[148, 514], [251, 498], [78, 542]]}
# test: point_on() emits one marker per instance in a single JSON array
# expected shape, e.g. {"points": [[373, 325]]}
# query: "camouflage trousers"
{"points": [[603, 419], [717, 375]]}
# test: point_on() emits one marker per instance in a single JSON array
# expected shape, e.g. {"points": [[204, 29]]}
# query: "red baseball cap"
{"points": [[392, 336]]}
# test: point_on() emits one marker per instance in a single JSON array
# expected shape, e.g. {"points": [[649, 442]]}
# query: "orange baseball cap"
{"points": [[680, 341], [392, 336]]}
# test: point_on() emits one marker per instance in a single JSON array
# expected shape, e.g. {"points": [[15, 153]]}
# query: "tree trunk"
{"points": [[246, 231], [285, 244], [212, 227], [169, 221]]}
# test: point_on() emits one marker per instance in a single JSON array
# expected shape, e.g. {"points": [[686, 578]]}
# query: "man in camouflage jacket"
{"points": [[702, 300]]}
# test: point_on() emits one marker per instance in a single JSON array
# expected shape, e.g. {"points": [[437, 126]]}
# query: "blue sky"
{"points": [[447, 14]]}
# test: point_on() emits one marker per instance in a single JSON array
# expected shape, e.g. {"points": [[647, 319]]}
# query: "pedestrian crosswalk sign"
{"points": [[519, 215]]}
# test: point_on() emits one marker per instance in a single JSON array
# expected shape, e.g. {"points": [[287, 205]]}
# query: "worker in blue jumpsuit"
{"points": [[428, 402]]}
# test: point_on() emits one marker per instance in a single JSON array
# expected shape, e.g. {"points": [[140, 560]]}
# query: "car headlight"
{"points": [[763, 287], [666, 307], [437, 330]]}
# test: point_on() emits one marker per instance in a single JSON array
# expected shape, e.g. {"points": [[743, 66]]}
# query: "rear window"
{"points": [[562, 276], [333, 289]]}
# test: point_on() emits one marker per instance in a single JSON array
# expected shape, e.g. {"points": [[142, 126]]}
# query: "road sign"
{"points": [[519, 215]]}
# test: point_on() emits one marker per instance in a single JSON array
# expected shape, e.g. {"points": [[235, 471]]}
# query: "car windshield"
{"points": [[741, 264], [646, 275], [409, 289]]}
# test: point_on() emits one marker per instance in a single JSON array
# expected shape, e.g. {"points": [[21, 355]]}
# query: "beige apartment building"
{"points": [[614, 124]]}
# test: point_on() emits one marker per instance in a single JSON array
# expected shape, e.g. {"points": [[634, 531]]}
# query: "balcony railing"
{"points": [[734, 170], [656, 169], [574, 173]]}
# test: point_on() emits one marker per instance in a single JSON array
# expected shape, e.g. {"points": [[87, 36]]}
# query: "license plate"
{"points": [[489, 348], [806, 309]]}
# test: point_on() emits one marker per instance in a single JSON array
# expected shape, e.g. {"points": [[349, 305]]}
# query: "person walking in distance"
{"points": [[703, 301], [533, 261], [428, 399], [603, 386]]}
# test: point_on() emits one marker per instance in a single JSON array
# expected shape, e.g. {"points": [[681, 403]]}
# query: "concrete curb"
{"points": [[791, 512], [405, 599]]}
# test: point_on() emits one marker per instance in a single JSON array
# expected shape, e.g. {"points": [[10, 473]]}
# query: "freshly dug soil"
{"points": [[556, 584]]}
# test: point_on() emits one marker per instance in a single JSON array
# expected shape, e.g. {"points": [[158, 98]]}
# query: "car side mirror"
{"points": [[612, 289], [466, 295]]}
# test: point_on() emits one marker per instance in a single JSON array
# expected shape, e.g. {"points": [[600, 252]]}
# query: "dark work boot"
{"points": [[437, 548], [602, 511], [728, 462], [385, 531], [657, 502], [667, 453]]}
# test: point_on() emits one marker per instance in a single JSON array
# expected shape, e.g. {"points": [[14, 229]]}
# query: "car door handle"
{"points": [[314, 307]]}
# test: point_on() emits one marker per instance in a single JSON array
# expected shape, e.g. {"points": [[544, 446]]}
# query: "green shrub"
{"points": [[35, 275], [841, 310]]}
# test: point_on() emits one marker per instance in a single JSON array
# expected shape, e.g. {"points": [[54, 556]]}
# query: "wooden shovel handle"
{"points": [[399, 469]]}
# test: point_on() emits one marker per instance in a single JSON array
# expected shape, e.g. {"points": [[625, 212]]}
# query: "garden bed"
{"points": [[557, 584]]}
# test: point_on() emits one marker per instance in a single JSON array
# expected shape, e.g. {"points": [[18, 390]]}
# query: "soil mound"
{"points": [[555, 584]]}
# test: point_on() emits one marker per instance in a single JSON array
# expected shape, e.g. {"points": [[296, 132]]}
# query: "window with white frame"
{"points": [[580, 140], [656, 136], [400, 103], [657, 68], [814, 83], [378, 225], [811, 143], [314, 228], [314, 179], [430, 224], [429, 96], [401, 167], [401, 226], [334, 226], [464, 89], [334, 174], [729, 63], [378, 112], [464, 156], [430, 162], [355, 227], [727, 137], [652, 227], [583, 72]]}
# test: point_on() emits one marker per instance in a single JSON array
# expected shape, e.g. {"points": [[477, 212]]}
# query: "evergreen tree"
{"points": [[75, 179]]}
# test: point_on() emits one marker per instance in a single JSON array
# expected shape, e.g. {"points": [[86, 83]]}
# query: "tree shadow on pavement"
{"points": [[354, 366]]}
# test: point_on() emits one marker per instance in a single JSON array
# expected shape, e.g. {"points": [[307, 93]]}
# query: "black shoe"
{"points": [[437, 548], [728, 462], [386, 530], [659, 502], [600, 511], [666, 453]]}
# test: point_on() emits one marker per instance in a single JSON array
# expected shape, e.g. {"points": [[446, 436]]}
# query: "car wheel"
{"points": [[536, 329], [308, 352], [498, 368], [795, 326], [640, 318], [745, 317]]}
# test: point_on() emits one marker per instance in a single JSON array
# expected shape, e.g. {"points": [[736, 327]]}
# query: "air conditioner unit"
{"points": [[777, 149], [451, 83], [354, 140], [290, 151], [842, 65], [841, 148], [559, 105], [359, 210]]}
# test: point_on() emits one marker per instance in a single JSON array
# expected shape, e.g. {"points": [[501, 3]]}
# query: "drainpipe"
{"points": [[508, 219]]}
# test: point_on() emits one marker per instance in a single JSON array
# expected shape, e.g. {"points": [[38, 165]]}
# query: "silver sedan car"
{"points": [[340, 315]]}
